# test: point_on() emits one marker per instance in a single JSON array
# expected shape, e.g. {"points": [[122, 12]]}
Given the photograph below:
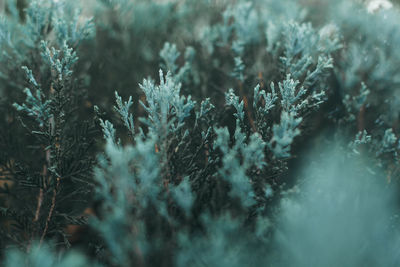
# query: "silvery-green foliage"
{"points": [[115, 3], [129, 183], [13, 9], [36, 107], [361, 138], [317, 76], [205, 108], [183, 195], [145, 181], [361, 99], [52, 22], [108, 131], [371, 38], [268, 99], [58, 142], [353, 104], [284, 134], [72, 28], [45, 256], [232, 99], [65, 17], [276, 15], [18, 40], [291, 96], [238, 159], [238, 28], [303, 52], [185, 160], [245, 22], [300, 40], [170, 54], [347, 195], [38, 15], [367, 59], [30, 77], [221, 33], [292, 102], [123, 110], [166, 108], [61, 61], [238, 69], [304, 57], [225, 243], [330, 38], [272, 36], [263, 103], [356, 60], [296, 99], [388, 143], [5, 35], [378, 37]]}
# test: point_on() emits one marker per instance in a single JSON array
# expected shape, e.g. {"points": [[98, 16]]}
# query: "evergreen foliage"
{"points": [[204, 157]]}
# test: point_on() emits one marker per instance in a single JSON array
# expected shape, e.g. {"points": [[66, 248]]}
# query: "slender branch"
{"points": [[361, 119], [39, 200], [53, 204], [39, 205], [246, 107]]}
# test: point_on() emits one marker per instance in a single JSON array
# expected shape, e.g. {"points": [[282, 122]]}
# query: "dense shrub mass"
{"points": [[199, 133]]}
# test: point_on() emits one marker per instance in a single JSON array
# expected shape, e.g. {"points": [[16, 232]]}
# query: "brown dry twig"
{"points": [[53, 204]]}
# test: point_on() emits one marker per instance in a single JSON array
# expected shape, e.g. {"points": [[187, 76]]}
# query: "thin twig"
{"points": [[39, 205], [53, 204], [246, 107], [361, 119]]}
